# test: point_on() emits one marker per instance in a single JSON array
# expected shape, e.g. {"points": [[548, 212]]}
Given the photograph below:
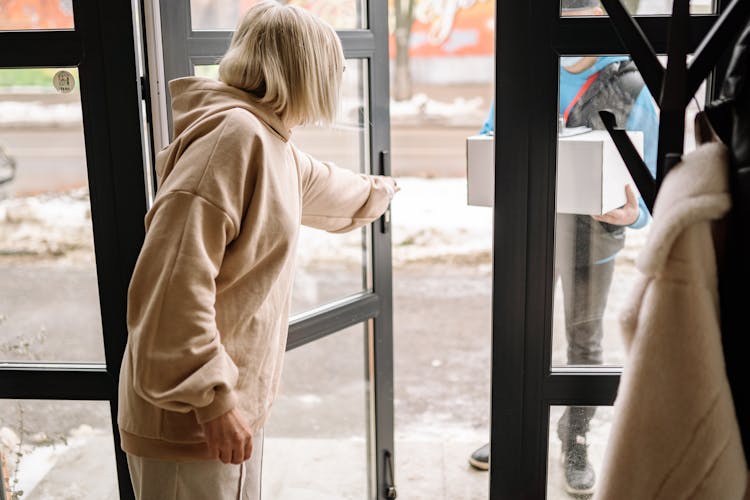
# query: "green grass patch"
{"points": [[32, 77]]}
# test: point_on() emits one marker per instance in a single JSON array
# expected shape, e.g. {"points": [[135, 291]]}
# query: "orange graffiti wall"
{"points": [[36, 14], [471, 32]]}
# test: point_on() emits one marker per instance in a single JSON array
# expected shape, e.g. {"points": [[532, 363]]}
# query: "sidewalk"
{"points": [[293, 469], [318, 430]]}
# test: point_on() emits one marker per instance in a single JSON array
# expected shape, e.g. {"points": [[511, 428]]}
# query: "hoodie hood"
{"points": [[195, 99]]}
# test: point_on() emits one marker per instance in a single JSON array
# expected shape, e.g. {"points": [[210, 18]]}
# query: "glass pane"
{"points": [[577, 438], [332, 266], [49, 303], [225, 14], [441, 91], [317, 439], [639, 7], [442, 333], [595, 258], [58, 450], [36, 15]]}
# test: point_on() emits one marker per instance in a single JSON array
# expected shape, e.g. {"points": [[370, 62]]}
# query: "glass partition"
{"points": [[596, 242], [601, 223], [49, 299], [319, 432]]}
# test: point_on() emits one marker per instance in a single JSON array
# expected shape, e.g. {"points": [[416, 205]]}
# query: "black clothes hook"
{"points": [[672, 100], [674, 86], [637, 44], [638, 169]]}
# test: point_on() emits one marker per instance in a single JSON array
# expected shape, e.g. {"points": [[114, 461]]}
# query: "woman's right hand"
{"points": [[229, 438], [393, 187]]}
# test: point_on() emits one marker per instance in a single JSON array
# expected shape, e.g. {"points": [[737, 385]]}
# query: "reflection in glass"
{"points": [[225, 14], [49, 304], [597, 202], [38, 15], [595, 260], [577, 439], [321, 415], [58, 450], [639, 7], [332, 266]]}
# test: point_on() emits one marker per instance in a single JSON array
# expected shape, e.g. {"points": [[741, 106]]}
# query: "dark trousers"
{"points": [[585, 291]]}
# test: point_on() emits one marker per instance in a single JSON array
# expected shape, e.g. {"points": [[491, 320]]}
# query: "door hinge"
{"points": [[389, 479]]}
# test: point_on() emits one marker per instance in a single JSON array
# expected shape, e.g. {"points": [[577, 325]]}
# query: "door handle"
{"points": [[385, 169]]}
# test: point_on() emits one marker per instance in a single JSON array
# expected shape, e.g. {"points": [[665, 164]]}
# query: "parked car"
{"points": [[7, 167], [7, 171]]}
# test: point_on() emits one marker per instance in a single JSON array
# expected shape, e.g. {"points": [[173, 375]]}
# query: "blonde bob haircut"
{"points": [[288, 59]]}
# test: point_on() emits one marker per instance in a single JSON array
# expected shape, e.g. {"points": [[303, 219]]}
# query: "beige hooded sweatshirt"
{"points": [[209, 300]]}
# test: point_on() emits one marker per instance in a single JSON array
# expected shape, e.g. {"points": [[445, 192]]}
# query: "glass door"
{"points": [[71, 223], [557, 355], [335, 408]]}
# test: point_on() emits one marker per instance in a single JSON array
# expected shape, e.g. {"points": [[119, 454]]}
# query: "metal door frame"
{"points": [[531, 36], [102, 46], [181, 49]]}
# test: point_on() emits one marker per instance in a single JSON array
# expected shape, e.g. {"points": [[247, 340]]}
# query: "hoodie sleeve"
{"points": [[179, 361], [338, 200]]}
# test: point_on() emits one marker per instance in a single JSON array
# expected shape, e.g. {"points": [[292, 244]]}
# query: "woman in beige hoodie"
{"points": [[209, 298]]}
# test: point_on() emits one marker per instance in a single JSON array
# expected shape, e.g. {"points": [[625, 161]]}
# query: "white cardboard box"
{"points": [[591, 175], [480, 170]]}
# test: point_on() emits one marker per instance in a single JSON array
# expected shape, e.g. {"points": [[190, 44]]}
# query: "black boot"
{"points": [[579, 474], [480, 459], [572, 429]]}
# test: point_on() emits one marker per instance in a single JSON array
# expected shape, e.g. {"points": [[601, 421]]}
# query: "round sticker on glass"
{"points": [[64, 82]]}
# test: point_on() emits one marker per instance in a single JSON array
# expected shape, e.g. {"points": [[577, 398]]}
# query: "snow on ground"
{"points": [[52, 224], [49, 111], [19, 113], [30, 462], [421, 109], [430, 219]]}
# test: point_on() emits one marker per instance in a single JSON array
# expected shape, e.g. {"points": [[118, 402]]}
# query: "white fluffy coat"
{"points": [[675, 434]]}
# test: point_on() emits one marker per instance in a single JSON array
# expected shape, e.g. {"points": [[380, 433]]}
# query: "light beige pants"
{"points": [[206, 480]]}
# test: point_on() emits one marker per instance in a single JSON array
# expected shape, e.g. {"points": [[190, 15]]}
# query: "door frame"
{"points": [[102, 46], [174, 48], [530, 38]]}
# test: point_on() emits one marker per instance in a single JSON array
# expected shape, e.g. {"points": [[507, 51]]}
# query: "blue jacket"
{"points": [[642, 117]]}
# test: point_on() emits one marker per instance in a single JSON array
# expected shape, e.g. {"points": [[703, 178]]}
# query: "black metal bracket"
{"points": [[637, 167], [672, 100], [638, 45], [674, 86]]}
